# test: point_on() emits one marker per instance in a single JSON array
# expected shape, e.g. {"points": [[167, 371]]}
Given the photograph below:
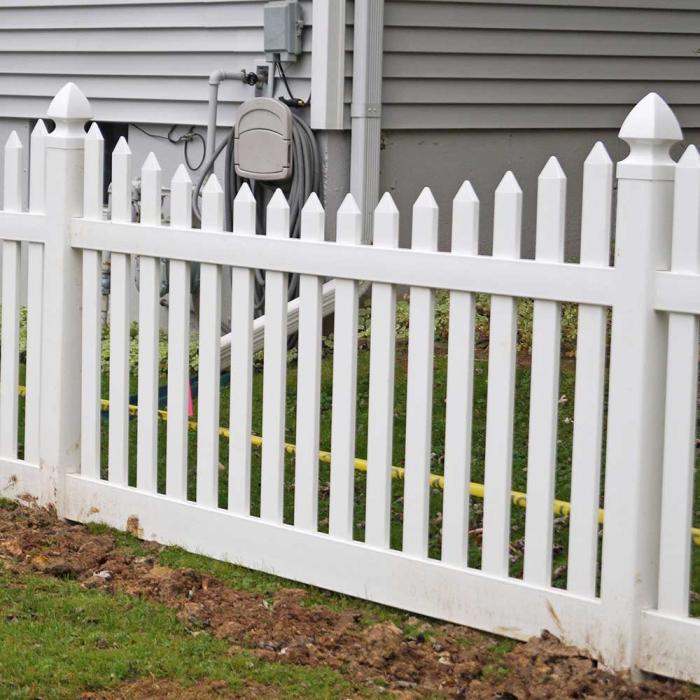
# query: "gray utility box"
{"points": [[283, 24], [263, 140]]}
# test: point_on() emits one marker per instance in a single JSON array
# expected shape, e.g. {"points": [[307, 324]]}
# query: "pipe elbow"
{"points": [[217, 77]]}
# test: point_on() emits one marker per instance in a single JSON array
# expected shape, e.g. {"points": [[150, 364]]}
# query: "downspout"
{"points": [[365, 111]]}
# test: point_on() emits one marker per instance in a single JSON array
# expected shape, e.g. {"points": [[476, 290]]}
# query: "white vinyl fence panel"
{"points": [[650, 297]]}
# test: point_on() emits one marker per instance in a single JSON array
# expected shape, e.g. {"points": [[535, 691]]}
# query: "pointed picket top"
{"points": [[37, 167], [685, 249], [278, 200], [508, 184], [598, 155], [424, 233], [70, 110], [244, 214], [93, 173], [426, 200], [507, 218], [151, 163], [465, 220], [212, 205], [386, 205], [122, 147], [180, 175], [212, 186], [552, 170], [651, 119], [551, 213], [41, 130], [151, 202], [94, 133], [690, 158], [349, 224], [181, 198], [386, 223], [278, 216], [313, 204], [313, 219], [13, 180], [13, 142], [245, 195], [466, 193], [349, 205]]}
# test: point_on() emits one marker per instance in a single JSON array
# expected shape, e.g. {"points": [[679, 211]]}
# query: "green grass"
{"points": [[59, 640], [520, 448]]}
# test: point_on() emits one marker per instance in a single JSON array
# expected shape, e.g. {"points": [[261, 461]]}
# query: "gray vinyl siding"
{"points": [[136, 60], [537, 63]]}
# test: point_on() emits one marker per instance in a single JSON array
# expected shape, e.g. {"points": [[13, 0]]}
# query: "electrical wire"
{"points": [[291, 101], [186, 138]]}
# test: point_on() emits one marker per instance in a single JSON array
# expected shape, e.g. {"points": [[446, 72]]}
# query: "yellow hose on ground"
{"points": [[518, 498]]}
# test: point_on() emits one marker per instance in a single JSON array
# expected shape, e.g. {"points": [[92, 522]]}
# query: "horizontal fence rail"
{"points": [[261, 464]]}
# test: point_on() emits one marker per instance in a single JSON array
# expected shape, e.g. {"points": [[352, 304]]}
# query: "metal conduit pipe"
{"points": [[364, 156]]}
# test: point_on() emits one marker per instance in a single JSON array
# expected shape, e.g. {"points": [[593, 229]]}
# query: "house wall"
{"points": [[471, 87], [536, 64], [136, 60], [444, 159]]}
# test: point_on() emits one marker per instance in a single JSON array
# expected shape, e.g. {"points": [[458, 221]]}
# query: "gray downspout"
{"points": [[365, 112]]}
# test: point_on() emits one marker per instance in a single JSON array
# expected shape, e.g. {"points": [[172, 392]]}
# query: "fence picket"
{"points": [[681, 400], [590, 380], [149, 356], [120, 268], [9, 340], [35, 291], [380, 419], [544, 383], [241, 400], [308, 378], [501, 386], [460, 387], [209, 354], [274, 372], [349, 232], [91, 384], [178, 344], [419, 387]]}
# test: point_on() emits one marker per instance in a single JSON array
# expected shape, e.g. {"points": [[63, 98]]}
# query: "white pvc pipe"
{"points": [[365, 114]]}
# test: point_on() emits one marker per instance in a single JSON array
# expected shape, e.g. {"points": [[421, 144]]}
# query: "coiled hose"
{"points": [[305, 179]]}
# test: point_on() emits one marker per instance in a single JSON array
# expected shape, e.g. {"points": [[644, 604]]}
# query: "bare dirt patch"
{"points": [[413, 658]]}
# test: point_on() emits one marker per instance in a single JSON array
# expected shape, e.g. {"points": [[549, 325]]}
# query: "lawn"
{"points": [[519, 483], [62, 639]]}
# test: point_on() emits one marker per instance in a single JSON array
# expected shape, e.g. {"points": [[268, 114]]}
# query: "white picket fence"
{"points": [[639, 618]]}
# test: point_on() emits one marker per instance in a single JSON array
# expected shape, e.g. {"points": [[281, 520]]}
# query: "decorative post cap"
{"points": [[650, 129], [70, 110]]}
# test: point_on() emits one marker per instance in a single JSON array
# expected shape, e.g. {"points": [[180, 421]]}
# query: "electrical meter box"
{"points": [[283, 24], [263, 140]]}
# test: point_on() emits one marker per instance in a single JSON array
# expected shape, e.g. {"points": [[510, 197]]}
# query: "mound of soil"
{"points": [[416, 659]]}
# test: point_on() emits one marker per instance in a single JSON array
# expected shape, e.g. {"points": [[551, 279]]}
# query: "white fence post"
{"points": [[60, 359], [636, 390]]}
